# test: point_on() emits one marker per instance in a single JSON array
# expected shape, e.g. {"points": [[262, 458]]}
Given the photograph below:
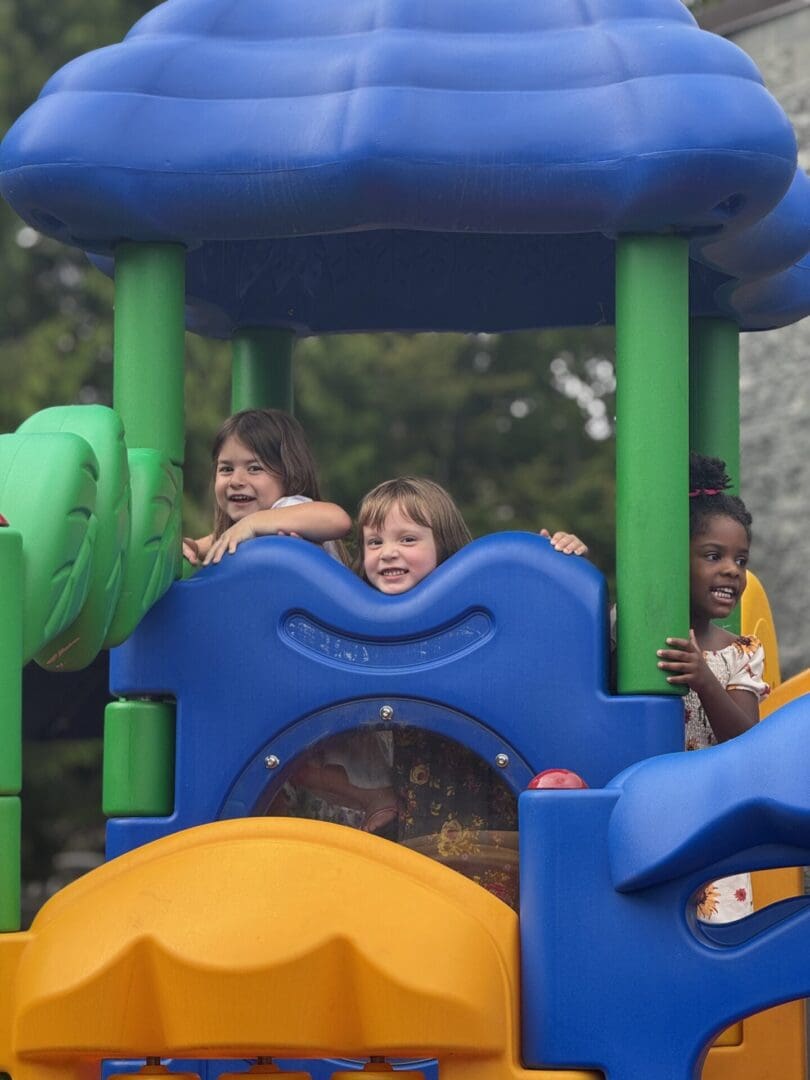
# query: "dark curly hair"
{"points": [[709, 497]]}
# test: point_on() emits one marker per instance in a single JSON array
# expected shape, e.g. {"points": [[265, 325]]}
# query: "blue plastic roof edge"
{"points": [[277, 137]]}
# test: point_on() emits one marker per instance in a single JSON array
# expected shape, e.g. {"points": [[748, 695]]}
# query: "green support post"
{"points": [[652, 445], [262, 374], [149, 345], [714, 402], [9, 863], [138, 777], [148, 396], [11, 653]]}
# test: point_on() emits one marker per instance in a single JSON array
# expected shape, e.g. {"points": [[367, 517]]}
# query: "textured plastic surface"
{"points": [[708, 830], [757, 619], [657, 834], [154, 555], [138, 758], [262, 370], [652, 396], [11, 567], [149, 343], [503, 648], [101, 428], [245, 921], [9, 863], [316, 1068], [443, 125], [155, 1070], [48, 493]]}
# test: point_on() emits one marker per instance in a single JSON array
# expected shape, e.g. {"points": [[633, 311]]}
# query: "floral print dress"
{"points": [[739, 666]]}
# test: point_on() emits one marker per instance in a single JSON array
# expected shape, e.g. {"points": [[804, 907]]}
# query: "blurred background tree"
{"points": [[518, 427]]}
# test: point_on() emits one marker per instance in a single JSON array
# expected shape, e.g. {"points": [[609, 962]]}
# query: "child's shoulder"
{"points": [[748, 644], [721, 640]]}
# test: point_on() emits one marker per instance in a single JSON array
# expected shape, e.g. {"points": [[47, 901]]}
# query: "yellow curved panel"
{"points": [[757, 620], [773, 1042], [787, 691], [270, 937]]}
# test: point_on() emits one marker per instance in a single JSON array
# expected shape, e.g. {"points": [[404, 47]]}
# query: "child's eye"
{"points": [[255, 468], [224, 469], [373, 541], [742, 560], [712, 556]]}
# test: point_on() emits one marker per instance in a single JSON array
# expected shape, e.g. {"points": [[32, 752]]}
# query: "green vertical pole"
{"points": [[652, 445], [714, 401], [9, 863], [149, 383], [11, 653], [139, 741], [262, 375], [149, 345]]}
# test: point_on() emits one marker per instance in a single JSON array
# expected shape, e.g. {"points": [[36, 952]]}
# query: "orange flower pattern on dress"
{"points": [[707, 902], [739, 666]]}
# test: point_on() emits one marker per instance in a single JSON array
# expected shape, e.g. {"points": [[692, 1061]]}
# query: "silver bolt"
{"points": [[501, 760], [271, 762], [386, 713]]}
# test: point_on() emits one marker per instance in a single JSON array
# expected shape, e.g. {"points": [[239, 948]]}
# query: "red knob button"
{"points": [[556, 778]]}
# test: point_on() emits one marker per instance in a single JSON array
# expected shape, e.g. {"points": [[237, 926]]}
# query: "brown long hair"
{"points": [[279, 443], [421, 500]]}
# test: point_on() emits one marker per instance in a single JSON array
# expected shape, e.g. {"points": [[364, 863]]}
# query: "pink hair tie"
{"points": [[705, 491]]}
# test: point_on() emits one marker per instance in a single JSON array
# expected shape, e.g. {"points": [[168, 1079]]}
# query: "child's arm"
{"points": [[567, 543], [316, 521], [332, 781], [730, 712]]}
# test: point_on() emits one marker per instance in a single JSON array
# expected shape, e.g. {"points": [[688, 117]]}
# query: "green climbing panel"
{"points": [[102, 429]]}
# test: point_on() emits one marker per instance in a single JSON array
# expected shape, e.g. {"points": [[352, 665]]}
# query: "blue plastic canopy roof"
{"points": [[419, 164]]}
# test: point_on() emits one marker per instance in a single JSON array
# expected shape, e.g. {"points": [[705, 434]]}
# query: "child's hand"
{"points": [[230, 540], [565, 542], [686, 659], [191, 551], [196, 550]]}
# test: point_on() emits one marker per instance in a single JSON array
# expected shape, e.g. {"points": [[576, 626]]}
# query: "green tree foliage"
{"points": [[500, 421], [55, 330]]}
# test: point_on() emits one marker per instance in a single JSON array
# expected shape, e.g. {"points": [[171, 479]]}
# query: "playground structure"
{"points": [[259, 171]]}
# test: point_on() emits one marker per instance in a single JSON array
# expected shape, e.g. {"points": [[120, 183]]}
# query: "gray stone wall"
{"points": [[775, 379]]}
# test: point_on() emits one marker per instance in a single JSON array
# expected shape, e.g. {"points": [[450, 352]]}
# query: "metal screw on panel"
{"points": [[271, 762], [386, 713], [501, 760]]}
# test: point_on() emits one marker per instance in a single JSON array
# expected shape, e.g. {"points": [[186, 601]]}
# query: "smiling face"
{"points": [[398, 554], [718, 557], [242, 484]]}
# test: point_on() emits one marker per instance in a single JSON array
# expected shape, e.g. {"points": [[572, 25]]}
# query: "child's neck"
{"points": [[708, 635]]}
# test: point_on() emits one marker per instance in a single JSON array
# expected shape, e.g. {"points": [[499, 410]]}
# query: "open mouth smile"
{"points": [[724, 593]]}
